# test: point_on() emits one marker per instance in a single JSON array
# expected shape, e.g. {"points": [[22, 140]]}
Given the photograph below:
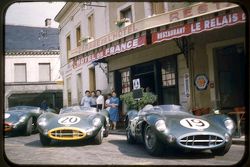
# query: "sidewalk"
{"points": [[236, 140]]}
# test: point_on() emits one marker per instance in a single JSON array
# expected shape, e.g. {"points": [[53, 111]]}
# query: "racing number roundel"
{"points": [[69, 120], [194, 123]]}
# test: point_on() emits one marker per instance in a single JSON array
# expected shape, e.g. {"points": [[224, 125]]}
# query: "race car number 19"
{"points": [[194, 123], [69, 120]]}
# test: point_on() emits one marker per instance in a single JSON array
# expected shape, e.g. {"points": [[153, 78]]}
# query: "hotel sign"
{"points": [[109, 51], [199, 26], [193, 11]]}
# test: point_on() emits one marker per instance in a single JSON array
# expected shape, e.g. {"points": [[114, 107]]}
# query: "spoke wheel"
{"points": [[29, 127], [130, 138], [98, 138], [152, 144]]}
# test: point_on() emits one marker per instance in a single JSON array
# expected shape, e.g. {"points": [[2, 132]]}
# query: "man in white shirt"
{"points": [[99, 100]]}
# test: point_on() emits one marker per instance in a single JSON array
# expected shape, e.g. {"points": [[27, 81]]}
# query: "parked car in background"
{"points": [[170, 126], [21, 119], [73, 123]]}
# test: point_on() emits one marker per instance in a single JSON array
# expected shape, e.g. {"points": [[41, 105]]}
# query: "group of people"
{"points": [[96, 99]]}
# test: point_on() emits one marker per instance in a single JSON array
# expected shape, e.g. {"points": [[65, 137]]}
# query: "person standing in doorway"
{"points": [[99, 100], [85, 102], [93, 99], [113, 111]]}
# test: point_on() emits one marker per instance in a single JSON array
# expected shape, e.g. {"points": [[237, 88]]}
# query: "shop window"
{"points": [[125, 77], [44, 72], [91, 26], [168, 74], [20, 73], [68, 47], [126, 14], [157, 7], [78, 36]]}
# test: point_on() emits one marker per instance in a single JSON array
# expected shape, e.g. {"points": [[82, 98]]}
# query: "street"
{"points": [[113, 150]]}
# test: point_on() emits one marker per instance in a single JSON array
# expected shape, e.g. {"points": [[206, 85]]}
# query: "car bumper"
{"points": [[70, 133], [13, 127]]}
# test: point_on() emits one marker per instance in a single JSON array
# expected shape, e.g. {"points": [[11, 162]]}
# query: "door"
{"points": [[230, 75], [169, 76]]}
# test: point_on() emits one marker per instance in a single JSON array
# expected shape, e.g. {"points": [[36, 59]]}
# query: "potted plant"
{"points": [[147, 98], [121, 22]]}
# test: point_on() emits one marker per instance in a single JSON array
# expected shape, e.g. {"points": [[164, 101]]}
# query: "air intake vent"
{"points": [[201, 141], [66, 133]]}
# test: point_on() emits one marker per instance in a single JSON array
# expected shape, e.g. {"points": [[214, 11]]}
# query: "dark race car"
{"points": [[74, 123], [21, 119], [170, 126]]}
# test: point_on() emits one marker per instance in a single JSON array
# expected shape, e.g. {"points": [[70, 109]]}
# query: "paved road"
{"points": [[113, 150]]}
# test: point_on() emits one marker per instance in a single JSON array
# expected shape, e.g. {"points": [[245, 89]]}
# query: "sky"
{"points": [[33, 13]]}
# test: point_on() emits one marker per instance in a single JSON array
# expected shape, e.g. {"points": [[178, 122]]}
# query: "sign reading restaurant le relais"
{"points": [[199, 26]]}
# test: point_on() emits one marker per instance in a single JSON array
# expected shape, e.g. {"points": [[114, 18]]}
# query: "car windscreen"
{"points": [[77, 109], [162, 109], [24, 109]]}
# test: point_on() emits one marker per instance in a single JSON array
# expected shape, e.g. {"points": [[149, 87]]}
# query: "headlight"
{"points": [[22, 119], [42, 122], [229, 124], [96, 122], [160, 125]]}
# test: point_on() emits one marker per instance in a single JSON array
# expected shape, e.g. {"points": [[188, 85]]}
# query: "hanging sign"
{"points": [[201, 82], [136, 83]]}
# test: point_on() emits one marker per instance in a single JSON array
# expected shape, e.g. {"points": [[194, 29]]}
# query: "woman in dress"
{"points": [[113, 111]]}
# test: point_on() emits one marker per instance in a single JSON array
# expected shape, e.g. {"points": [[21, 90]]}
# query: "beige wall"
{"points": [[202, 64], [143, 54]]}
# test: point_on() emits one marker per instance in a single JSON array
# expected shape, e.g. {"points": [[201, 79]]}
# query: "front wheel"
{"points": [[98, 138], [45, 141], [130, 138], [152, 144], [29, 127]]}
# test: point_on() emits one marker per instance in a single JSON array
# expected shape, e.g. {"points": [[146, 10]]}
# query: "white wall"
{"points": [[32, 66]]}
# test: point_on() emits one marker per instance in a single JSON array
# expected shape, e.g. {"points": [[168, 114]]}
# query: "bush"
{"points": [[147, 98]]}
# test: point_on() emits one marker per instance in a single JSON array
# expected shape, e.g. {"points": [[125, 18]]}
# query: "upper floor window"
{"points": [[20, 72], [68, 46], [157, 7], [78, 36], [91, 26], [126, 14], [44, 72]]}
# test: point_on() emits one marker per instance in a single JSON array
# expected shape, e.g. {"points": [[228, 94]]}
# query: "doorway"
{"points": [[145, 72], [230, 76]]}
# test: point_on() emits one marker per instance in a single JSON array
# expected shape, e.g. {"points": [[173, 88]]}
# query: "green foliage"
{"points": [[147, 98]]}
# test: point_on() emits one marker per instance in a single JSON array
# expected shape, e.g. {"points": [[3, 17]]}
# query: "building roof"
{"points": [[20, 38]]}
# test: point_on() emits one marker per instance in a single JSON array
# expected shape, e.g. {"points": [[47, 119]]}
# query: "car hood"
{"points": [[13, 116], [76, 119], [181, 124]]}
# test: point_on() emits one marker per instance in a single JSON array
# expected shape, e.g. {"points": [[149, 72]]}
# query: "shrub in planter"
{"points": [[147, 98]]}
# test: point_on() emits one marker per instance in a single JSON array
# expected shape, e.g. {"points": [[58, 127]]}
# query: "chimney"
{"points": [[48, 22]]}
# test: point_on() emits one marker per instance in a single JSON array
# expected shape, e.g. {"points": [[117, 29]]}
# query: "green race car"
{"points": [[21, 119], [170, 126], [73, 123]]}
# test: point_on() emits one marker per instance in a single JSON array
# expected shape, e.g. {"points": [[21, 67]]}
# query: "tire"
{"points": [[45, 141], [152, 144], [222, 150], [29, 127], [130, 138], [106, 132], [98, 138]]}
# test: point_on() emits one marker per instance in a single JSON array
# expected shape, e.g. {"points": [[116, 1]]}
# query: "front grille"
{"points": [[66, 133], [7, 127], [201, 141]]}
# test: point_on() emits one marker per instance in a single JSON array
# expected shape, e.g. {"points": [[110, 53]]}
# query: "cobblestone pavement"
{"points": [[113, 150]]}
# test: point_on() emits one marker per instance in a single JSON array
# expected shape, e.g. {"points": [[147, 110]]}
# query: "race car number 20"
{"points": [[69, 120], [194, 123]]}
